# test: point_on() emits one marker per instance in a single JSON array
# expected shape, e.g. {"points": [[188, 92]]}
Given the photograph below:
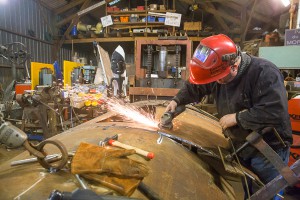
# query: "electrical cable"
{"points": [[241, 168]]}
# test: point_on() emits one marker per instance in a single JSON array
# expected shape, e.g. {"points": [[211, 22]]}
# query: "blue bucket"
{"points": [[161, 19], [74, 31], [151, 19]]}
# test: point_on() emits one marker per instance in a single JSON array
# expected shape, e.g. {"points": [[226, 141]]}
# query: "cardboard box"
{"points": [[192, 26]]}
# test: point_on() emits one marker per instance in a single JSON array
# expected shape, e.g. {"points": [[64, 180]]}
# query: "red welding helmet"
{"points": [[212, 59]]}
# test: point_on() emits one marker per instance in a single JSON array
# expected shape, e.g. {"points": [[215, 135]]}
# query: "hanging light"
{"points": [[285, 2]]}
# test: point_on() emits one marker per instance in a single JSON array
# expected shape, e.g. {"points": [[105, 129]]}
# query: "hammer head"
{"points": [[104, 142]]}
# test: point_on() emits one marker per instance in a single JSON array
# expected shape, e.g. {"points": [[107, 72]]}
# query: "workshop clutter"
{"points": [[135, 20], [87, 95]]}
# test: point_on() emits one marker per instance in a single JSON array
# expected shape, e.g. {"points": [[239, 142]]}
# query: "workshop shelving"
{"points": [[138, 21]]}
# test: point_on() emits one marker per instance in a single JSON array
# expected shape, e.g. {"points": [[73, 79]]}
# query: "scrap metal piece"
{"points": [[32, 150], [81, 182], [277, 184], [32, 160], [159, 140], [199, 148], [64, 155], [257, 141]]}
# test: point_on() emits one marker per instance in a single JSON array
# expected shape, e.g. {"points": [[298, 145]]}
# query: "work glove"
{"points": [[123, 186], [95, 159]]}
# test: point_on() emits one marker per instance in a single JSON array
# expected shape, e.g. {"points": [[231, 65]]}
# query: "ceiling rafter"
{"points": [[210, 8], [71, 17], [68, 6], [249, 21], [219, 19]]}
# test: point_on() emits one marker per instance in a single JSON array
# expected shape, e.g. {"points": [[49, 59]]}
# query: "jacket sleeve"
{"points": [[269, 101], [191, 93]]}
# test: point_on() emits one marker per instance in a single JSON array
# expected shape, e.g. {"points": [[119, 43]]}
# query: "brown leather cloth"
{"points": [[110, 167], [123, 186]]}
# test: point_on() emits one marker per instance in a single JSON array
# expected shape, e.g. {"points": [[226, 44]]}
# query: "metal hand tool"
{"points": [[167, 118], [13, 137], [104, 142], [147, 154]]}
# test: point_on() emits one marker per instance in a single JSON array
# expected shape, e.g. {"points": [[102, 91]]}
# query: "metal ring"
{"points": [[62, 161]]}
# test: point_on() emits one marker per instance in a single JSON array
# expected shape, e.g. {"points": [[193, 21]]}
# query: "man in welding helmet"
{"points": [[249, 93]]}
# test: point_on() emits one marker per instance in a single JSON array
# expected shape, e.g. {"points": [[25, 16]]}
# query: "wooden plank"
{"points": [[249, 21], [66, 34], [210, 8], [187, 26], [153, 91], [74, 16], [123, 39], [68, 6]]}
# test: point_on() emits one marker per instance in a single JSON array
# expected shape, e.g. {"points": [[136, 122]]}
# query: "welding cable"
{"points": [[241, 168]]}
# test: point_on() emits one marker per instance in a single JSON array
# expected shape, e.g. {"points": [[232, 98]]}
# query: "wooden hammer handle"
{"points": [[126, 146]]}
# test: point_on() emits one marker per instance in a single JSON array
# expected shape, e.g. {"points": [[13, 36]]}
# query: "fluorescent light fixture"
{"points": [[110, 3], [285, 2]]}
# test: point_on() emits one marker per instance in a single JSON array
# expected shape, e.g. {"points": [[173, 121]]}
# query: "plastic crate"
{"points": [[124, 19], [161, 19], [133, 19], [151, 19], [140, 7]]}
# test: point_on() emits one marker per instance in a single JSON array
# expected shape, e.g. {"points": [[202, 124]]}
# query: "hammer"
{"points": [[112, 141], [126, 146]]}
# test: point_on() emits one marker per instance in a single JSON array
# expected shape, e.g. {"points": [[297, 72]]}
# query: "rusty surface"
{"points": [[153, 91], [176, 173]]}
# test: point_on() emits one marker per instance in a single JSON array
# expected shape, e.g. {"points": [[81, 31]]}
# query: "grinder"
{"points": [[167, 118]]}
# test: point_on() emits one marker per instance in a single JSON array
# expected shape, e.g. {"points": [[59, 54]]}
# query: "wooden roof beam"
{"points": [[249, 21], [219, 19], [210, 8], [263, 18], [71, 17], [222, 1], [68, 6]]}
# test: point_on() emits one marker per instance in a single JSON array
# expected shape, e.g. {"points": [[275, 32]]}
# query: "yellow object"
{"points": [[35, 71], [124, 19], [68, 68], [94, 103], [80, 94], [87, 103]]}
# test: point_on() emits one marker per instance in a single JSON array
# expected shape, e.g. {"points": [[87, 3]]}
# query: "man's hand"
{"points": [[228, 121], [172, 106]]}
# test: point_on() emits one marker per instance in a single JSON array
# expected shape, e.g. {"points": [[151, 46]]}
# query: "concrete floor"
{"points": [[291, 193]]}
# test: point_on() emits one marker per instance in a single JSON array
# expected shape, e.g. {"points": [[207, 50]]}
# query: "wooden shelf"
{"points": [[138, 23], [123, 13]]}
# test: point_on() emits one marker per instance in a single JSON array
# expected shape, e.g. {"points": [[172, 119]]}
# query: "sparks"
{"points": [[132, 112]]}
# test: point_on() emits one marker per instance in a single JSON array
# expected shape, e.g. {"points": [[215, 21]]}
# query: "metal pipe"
{"points": [[81, 182], [32, 160], [163, 58]]}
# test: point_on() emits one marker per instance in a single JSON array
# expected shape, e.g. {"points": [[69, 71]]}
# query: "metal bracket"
{"points": [[257, 141]]}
